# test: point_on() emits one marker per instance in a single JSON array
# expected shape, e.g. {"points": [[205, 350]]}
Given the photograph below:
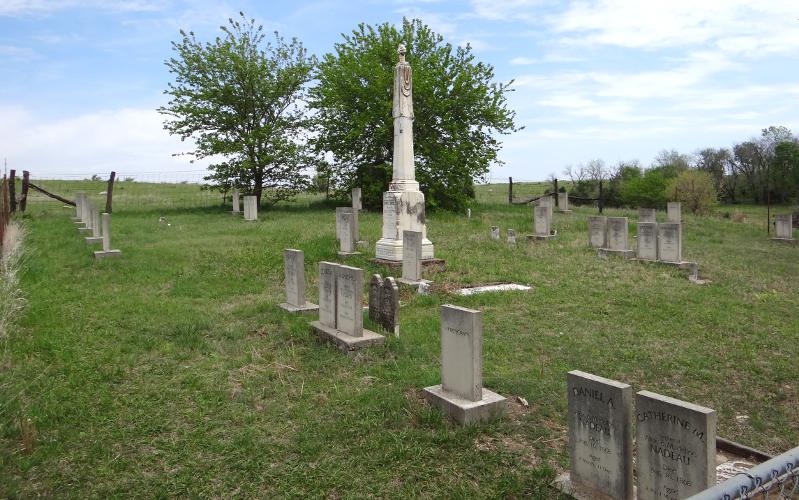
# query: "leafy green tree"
{"points": [[785, 170], [459, 112], [695, 190], [238, 98], [647, 190], [670, 163]]}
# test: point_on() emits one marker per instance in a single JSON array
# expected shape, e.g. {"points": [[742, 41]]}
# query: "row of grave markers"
{"points": [[250, 204], [675, 442], [88, 220], [656, 241]]}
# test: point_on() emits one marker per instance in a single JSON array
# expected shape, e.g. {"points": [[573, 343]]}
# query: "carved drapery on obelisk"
{"points": [[403, 203]]}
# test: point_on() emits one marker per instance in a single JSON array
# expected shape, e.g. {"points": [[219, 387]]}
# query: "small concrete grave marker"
{"points": [[234, 197], [541, 221], [250, 208], [676, 443], [674, 211], [647, 241], [461, 394], [340, 211], [784, 226], [78, 203], [597, 230], [294, 267], [384, 303], [468, 213], [563, 202], [617, 237], [494, 233], [88, 210], [670, 242], [96, 236], [647, 215], [347, 234], [375, 288], [511, 236], [411, 257], [600, 437], [106, 251], [547, 201], [348, 333], [356, 199]]}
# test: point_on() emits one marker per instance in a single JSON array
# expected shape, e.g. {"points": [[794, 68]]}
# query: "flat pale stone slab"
{"points": [[91, 240], [578, 491], [412, 282], [604, 252], [463, 411], [348, 254], [308, 308], [438, 264], [504, 287], [344, 342], [110, 253], [79, 223], [542, 236]]}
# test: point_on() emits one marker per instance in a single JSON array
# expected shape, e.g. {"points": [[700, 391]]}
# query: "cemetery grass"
{"points": [[171, 371]]}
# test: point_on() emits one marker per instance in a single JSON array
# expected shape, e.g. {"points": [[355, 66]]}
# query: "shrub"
{"points": [[694, 189]]}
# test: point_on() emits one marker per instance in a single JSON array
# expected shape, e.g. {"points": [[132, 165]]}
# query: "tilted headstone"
{"points": [[647, 215], [676, 447], [597, 231], [563, 202], [647, 241], [670, 242], [511, 236], [600, 434], [412, 255], [617, 238], [234, 197], [784, 226], [349, 311], [356, 199], [541, 217], [494, 233], [674, 211], [389, 306], [294, 266], [107, 251], [461, 393], [327, 293], [347, 230]]}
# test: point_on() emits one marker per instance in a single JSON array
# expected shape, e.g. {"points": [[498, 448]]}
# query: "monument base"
{"points": [[578, 491], [344, 342], [91, 240], [308, 308], [604, 252], [75, 219], [82, 230], [542, 236], [463, 411], [437, 265], [79, 223], [107, 253], [391, 250]]}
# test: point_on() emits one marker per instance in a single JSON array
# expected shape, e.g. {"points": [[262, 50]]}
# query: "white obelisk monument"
{"points": [[403, 203]]}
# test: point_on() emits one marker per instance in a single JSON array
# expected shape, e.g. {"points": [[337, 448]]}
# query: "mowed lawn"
{"points": [[172, 372]]}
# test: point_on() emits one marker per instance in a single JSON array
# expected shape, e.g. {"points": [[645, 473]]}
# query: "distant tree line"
{"points": [[764, 168]]}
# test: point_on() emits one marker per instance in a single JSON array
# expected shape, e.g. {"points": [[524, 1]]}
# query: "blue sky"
{"points": [[610, 79]]}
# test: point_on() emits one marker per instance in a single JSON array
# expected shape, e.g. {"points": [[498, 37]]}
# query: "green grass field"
{"points": [[172, 372]]}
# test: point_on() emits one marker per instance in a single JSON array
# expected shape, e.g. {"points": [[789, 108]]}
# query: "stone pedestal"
{"points": [[402, 211]]}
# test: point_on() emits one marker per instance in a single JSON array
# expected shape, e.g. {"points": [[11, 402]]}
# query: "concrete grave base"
{"points": [[75, 219], [604, 252], [91, 240], [791, 241], [344, 342], [348, 254], [463, 411], [578, 491], [110, 253], [79, 223], [541, 237], [564, 211], [84, 230], [308, 308], [436, 265]]}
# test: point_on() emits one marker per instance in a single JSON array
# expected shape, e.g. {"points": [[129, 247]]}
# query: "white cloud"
{"points": [[506, 10], [28, 7]]}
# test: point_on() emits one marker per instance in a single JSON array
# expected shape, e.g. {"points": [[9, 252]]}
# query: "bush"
{"points": [[647, 191], [695, 190]]}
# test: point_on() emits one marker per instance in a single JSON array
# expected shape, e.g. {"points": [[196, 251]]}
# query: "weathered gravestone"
{"points": [[78, 208], [676, 443], [234, 200], [87, 209], [670, 242], [294, 267], [563, 202], [494, 233], [348, 333], [96, 236], [597, 231], [340, 211], [356, 199], [250, 208], [647, 241], [784, 226], [547, 201], [411, 257], [461, 394], [511, 236], [674, 211], [106, 251], [600, 437], [542, 222], [347, 240], [384, 303], [617, 237], [647, 215]]}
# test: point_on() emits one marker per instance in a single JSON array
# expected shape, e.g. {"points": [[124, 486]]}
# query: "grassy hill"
{"points": [[172, 372]]}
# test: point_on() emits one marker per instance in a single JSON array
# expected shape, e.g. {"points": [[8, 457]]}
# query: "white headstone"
{"points": [[784, 226], [327, 293], [541, 215], [461, 352], [349, 310], [597, 231], [250, 208], [601, 434], [235, 200], [617, 233], [412, 255], [347, 226], [563, 201], [647, 241], [647, 215], [676, 443], [356, 199], [340, 211], [294, 266], [670, 242], [674, 211]]}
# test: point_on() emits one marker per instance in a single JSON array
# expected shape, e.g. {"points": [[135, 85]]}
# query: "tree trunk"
{"points": [[23, 200], [12, 190]]}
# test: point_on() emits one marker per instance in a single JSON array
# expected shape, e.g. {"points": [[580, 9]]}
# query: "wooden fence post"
{"points": [[109, 193], [600, 197], [557, 203], [12, 190], [510, 190], [23, 199]]}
